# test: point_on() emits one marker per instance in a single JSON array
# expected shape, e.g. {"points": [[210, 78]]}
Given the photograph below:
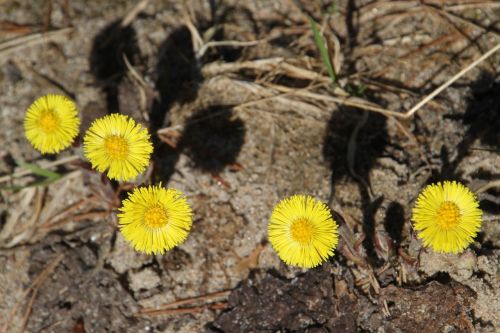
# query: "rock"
{"points": [[145, 279], [124, 257], [460, 267]]}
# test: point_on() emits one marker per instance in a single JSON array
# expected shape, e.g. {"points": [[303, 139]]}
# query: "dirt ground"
{"points": [[243, 113]]}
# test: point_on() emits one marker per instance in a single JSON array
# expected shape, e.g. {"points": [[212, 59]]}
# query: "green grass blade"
{"points": [[49, 175], [325, 57]]}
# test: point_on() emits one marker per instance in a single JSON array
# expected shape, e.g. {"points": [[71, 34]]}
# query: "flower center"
{"points": [[156, 217], [117, 147], [302, 231], [48, 121], [448, 215]]}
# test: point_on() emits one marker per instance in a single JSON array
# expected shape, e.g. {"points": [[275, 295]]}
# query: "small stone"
{"points": [[124, 257], [459, 267], [145, 279]]}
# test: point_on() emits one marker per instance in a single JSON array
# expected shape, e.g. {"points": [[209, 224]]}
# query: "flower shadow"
{"points": [[213, 138], [107, 63], [177, 80], [482, 122], [352, 159]]}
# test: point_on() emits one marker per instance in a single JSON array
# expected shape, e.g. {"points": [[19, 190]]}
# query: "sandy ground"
{"points": [[243, 114]]}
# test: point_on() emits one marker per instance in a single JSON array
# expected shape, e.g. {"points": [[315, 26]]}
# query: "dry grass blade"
{"points": [[30, 40], [489, 185], [27, 313], [445, 85], [134, 12], [234, 43], [194, 309], [173, 307], [267, 65]]}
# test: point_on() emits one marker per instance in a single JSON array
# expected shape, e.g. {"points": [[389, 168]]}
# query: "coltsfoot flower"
{"points": [[118, 144], [155, 219], [51, 123], [447, 217], [302, 231]]}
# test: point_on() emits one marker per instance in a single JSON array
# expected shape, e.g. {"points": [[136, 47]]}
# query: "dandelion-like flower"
{"points": [[118, 144], [302, 231], [446, 217], [155, 219], [51, 123]]}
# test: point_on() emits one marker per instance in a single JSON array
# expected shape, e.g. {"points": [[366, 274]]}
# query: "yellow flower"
{"points": [[447, 217], [115, 142], [302, 231], [155, 219], [51, 123]]}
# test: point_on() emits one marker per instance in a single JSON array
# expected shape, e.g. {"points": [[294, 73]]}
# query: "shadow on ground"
{"points": [[107, 64], [177, 81], [213, 138], [482, 122], [353, 142]]}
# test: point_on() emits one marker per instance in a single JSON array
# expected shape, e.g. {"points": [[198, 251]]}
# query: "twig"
{"points": [[29, 307], [472, 6], [71, 208], [153, 311], [133, 13], [141, 86], [486, 187], [349, 101], [30, 40], [133, 72], [445, 85], [269, 64], [194, 309], [419, 105], [48, 16], [235, 43]]}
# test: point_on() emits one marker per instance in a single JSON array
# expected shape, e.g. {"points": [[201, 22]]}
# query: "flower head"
{"points": [[302, 231], [51, 123], [155, 219], [115, 142], [446, 217]]}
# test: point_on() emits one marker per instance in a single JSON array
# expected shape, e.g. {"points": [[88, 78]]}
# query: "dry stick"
{"points": [[235, 43], [29, 40], [269, 64], [133, 13], [141, 86], [133, 72], [194, 309], [350, 101], [48, 165], [28, 310], [473, 6], [486, 187], [61, 214], [445, 85], [419, 105], [37, 282], [77, 218], [218, 294]]}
